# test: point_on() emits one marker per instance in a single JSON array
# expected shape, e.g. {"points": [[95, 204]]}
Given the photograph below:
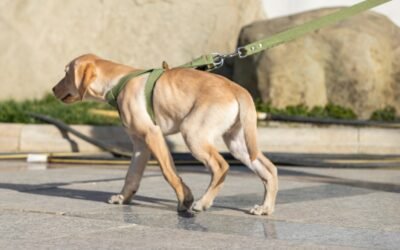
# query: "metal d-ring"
{"points": [[218, 59]]}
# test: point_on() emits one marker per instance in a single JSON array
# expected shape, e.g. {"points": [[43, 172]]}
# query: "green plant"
{"points": [[16, 112], [329, 111], [339, 112], [319, 112], [262, 106], [385, 114], [298, 110]]}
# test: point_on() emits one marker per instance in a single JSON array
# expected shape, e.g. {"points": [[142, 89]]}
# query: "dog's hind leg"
{"points": [[209, 156], [268, 173], [264, 168], [199, 130]]}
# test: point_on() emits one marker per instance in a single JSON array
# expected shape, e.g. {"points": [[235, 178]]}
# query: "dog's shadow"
{"points": [[343, 188], [62, 190]]}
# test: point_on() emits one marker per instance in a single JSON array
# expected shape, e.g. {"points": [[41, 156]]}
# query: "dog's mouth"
{"points": [[69, 99], [65, 98]]}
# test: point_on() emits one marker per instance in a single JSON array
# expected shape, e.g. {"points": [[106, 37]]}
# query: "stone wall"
{"points": [[39, 37]]}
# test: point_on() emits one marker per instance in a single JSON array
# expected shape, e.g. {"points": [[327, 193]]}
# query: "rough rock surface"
{"points": [[39, 37], [355, 63]]}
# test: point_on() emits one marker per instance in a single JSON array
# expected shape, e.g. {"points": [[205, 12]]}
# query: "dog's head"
{"points": [[79, 74]]}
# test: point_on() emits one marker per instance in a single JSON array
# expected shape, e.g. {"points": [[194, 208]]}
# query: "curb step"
{"points": [[277, 137]]}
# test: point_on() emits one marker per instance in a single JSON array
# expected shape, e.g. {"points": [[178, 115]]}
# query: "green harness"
{"points": [[213, 61], [155, 74]]}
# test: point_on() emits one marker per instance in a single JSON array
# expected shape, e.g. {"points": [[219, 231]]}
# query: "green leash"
{"points": [[213, 61], [308, 27], [216, 60]]}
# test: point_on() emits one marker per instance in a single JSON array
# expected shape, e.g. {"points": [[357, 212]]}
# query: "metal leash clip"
{"points": [[241, 52], [219, 60]]}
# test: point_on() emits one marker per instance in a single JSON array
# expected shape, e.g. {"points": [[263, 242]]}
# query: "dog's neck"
{"points": [[107, 79]]}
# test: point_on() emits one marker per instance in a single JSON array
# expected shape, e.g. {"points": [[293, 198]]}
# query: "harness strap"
{"points": [[149, 90], [155, 74], [112, 94]]}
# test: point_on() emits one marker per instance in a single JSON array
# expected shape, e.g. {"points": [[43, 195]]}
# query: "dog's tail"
{"points": [[248, 120]]}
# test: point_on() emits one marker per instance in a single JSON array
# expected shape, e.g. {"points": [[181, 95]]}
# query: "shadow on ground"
{"points": [[332, 187]]}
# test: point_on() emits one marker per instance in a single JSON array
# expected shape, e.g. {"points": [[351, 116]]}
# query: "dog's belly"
{"points": [[168, 125]]}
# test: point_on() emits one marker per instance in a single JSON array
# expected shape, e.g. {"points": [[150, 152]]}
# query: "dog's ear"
{"points": [[86, 75]]}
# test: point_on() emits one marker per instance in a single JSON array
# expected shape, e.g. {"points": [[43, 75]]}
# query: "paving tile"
{"points": [[316, 209]]}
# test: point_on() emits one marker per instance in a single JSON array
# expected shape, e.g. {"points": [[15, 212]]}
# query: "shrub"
{"points": [[338, 112], [329, 111], [16, 112], [386, 114]]}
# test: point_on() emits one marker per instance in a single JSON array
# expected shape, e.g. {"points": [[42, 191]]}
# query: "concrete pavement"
{"points": [[63, 207]]}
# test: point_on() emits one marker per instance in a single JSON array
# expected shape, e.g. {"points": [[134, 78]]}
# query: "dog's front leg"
{"points": [[156, 143], [140, 157]]}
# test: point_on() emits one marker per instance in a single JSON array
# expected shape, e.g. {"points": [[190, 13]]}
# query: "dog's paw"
{"points": [[199, 206], [186, 204], [260, 210], [117, 199]]}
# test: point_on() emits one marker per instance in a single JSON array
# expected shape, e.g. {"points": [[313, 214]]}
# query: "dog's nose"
{"points": [[54, 89]]}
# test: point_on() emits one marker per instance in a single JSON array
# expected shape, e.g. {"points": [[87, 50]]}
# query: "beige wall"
{"points": [[38, 37]]}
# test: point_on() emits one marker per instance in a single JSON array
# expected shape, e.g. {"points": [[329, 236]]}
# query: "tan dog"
{"points": [[200, 105]]}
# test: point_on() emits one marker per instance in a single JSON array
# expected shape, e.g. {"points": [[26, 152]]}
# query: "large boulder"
{"points": [[39, 37], [354, 63]]}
